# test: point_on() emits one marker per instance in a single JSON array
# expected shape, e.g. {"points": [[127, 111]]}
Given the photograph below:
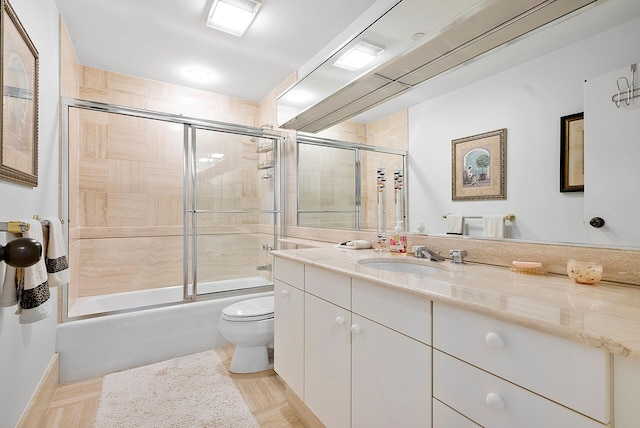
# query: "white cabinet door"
{"points": [[391, 378], [327, 348], [445, 417], [611, 154], [289, 335]]}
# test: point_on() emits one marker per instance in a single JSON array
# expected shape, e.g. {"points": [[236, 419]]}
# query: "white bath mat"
{"points": [[185, 392]]}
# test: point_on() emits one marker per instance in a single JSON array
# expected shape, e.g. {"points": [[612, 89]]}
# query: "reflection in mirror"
{"points": [[527, 86], [337, 184]]}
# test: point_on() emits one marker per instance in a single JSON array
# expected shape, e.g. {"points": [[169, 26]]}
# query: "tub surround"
{"points": [[604, 316]]}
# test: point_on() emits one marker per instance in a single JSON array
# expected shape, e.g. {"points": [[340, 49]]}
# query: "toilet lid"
{"points": [[250, 310]]}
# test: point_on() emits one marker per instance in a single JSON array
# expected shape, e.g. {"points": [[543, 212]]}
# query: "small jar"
{"points": [[584, 272]]}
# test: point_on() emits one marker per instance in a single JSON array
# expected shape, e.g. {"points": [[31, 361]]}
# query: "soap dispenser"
{"points": [[398, 242]]}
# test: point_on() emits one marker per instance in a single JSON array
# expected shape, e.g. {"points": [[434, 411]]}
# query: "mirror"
{"points": [[410, 44], [526, 87]]}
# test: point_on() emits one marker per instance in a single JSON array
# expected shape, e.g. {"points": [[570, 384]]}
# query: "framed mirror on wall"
{"points": [[19, 119]]}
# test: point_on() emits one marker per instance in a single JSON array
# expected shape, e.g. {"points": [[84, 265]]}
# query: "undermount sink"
{"points": [[404, 266]]}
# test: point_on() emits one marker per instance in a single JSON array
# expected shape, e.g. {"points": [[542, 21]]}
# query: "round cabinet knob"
{"points": [[494, 340], [285, 293], [355, 329], [339, 321], [494, 401], [597, 222]]}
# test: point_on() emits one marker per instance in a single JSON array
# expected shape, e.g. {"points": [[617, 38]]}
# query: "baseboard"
{"points": [[304, 413], [36, 413]]}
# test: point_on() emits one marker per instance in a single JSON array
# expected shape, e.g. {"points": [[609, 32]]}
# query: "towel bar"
{"points": [[14, 226], [508, 217]]}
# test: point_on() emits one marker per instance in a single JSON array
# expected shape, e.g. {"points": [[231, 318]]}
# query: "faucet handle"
{"points": [[458, 256]]}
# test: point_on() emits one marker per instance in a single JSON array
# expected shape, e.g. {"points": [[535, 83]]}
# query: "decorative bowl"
{"points": [[584, 272]]}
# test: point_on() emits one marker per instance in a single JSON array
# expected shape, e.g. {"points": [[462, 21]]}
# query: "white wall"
{"points": [[26, 350], [528, 100]]}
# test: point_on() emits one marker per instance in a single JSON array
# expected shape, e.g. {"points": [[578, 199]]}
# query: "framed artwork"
{"points": [[572, 153], [478, 167], [19, 118]]}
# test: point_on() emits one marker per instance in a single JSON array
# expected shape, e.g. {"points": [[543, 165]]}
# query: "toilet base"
{"points": [[250, 359]]}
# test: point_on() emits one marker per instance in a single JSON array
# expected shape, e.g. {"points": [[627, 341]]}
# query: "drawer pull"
{"points": [[494, 340], [285, 293], [355, 329], [339, 321], [494, 401]]}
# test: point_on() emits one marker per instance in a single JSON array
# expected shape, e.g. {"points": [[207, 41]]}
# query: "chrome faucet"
{"points": [[423, 252], [458, 256]]}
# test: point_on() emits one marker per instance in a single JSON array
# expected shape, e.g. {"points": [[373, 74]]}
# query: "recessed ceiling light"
{"points": [[199, 74], [232, 16], [359, 56]]}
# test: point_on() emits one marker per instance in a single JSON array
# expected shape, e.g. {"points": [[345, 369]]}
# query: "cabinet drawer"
{"points": [[290, 272], [494, 402], [330, 286], [445, 417], [403, 312], [569, 373]]}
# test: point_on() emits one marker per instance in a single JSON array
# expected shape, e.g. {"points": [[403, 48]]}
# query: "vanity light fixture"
{"points": [[359, 56], [232, 16]]}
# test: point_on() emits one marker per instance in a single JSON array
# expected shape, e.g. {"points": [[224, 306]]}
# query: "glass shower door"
{"points": [[232, 213]]}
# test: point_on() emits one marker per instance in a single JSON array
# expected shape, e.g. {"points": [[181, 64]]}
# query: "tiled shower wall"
{"points": [[126, 183]]}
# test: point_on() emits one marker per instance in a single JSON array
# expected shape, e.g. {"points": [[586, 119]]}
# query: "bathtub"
{"points": [[98, 346]]}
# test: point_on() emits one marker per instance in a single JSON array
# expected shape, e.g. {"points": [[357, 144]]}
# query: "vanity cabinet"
{"points": [[327, 371], [367, 354], [288, 337], [502, 375]]}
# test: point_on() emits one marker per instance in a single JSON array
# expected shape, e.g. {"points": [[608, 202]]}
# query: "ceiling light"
{"points": [[198, 74], [232, 16], [359, 56]]}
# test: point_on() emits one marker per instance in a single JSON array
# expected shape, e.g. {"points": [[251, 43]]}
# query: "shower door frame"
{"points": [[190, 125]]}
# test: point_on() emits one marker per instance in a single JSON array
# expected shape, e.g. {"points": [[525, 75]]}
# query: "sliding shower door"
{"points": [[162, 208], [233, 210], [125, 211]]}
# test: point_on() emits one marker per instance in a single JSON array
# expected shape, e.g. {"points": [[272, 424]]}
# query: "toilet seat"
{"points": [[249, 310]]}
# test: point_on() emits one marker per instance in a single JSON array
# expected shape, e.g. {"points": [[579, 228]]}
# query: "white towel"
{"points": [[493, 226], [2, 269], [455, 224], [56, 259], [28, 287], [359, 244]]}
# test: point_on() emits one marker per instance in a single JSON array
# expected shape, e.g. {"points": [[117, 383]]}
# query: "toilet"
{"points": [[249, 324]]}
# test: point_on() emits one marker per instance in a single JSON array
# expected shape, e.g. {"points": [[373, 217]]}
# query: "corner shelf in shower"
{"points": [[266, 164], [265, 148]]}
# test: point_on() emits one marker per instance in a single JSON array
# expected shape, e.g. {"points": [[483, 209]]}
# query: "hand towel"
{"points": [[28, 287], [2, 269], [8, 291], [455, 224], [493, 226], [359, 244], [56, 259]]}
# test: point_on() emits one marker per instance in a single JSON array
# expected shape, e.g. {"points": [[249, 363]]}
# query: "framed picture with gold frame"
{"points": [[478, 167], [572, 153], [19, 118]]}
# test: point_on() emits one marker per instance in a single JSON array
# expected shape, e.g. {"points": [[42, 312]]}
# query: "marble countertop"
{"points": [[604, 315]]}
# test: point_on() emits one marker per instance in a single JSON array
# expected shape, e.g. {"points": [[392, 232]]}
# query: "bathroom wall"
{"points": [[26, 350]]}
